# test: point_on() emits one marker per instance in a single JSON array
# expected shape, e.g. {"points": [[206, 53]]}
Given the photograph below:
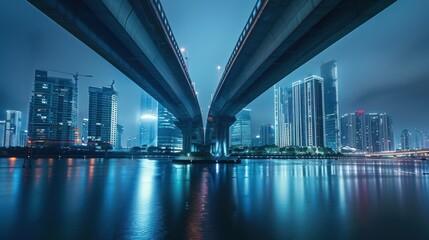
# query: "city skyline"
{"points": [[373, 97]]}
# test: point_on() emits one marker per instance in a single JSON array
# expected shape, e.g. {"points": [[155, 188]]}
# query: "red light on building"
{"points": [[360, 112]]}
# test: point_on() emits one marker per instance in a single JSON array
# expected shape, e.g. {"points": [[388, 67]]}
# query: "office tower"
{"points": [[52, 116], [298, 114], [169, 136], [386, 133], [2, 132], [266, 133], [119, 137], [372, 133], [23, 137], [348, 130], [241, 130], [421, 139], [84, 136], [314, 111], [282, 116], [148, 120], [102, 116], [329, 74], [405, 140], [368, 132], [13, 128]]}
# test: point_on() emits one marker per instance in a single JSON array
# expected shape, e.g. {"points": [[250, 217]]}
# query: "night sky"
{"points": [[383, 65]]}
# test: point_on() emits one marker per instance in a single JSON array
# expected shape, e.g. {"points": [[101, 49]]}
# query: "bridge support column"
{"points": [[186, 128], [220, 143], [192, 136]]}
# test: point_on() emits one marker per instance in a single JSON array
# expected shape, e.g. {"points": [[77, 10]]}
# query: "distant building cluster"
{"points": [[367, 132], [307, 113], [157, 127]]}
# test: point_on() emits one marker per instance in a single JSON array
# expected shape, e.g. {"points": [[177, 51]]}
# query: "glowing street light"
{"points": [[218, 72]]}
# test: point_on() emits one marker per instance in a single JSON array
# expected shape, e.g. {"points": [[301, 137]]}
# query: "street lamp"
{"points": [[183, 50], [218, 72]]}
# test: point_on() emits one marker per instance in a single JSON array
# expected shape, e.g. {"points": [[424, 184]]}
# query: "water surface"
{"points": [[259, 199]]}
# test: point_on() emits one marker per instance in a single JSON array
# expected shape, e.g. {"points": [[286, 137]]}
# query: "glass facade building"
{"points": [[329, 74], [241, 130], [169, 136], [2, 132], [367, 132], [282, 116], [314, 111], [148, 120], [266, 133], [13, 128]]}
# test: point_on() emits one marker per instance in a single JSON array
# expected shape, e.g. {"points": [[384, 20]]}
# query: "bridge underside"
{"points": [[134, 36], [282, 36]]}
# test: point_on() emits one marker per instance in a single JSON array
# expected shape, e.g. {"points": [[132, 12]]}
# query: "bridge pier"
{"points": [[191, 136], [219, 139]]}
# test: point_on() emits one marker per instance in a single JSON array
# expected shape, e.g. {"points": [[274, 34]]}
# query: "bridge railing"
{"points": [[158, 7], [244, 33]]}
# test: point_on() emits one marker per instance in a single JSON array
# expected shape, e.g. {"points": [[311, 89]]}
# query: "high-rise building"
{"points": [[169, 136], [368, 132], [102, 116], [241, 130], [84, 136], [329, 74], [148, 120], [421, 139], [13, 128], [298, 114], [314, 111], [348, 130], [405, 140], [386, 133], [119, 137], [282, 116], [266, 133], [23, 137], [52, 116], [2, 132]]}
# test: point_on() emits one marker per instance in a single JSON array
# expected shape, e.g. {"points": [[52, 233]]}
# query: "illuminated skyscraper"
{"points": [[405, 140], [23, 137], [314, 111], [119, 137], [2, 132], [298, 115], [52, 116], [84, 137], [148, 120], [282, 116], [241, 130], [368, 132], [169, 136], [103, 116], [266, 133], [13, 128], [330, 84]]}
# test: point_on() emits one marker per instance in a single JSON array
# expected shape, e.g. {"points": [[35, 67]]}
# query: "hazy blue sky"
{"points": [[383, 65]]}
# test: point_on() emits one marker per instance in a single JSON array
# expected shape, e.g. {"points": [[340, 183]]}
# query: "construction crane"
{"points": [[75, 75]]}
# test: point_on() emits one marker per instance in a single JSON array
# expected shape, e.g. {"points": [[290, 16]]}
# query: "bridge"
{"points": [[403, 153], [279, 37], [136, 38]]}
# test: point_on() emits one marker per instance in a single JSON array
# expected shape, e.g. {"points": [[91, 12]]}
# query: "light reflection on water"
{"points": [[264, 199]]}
